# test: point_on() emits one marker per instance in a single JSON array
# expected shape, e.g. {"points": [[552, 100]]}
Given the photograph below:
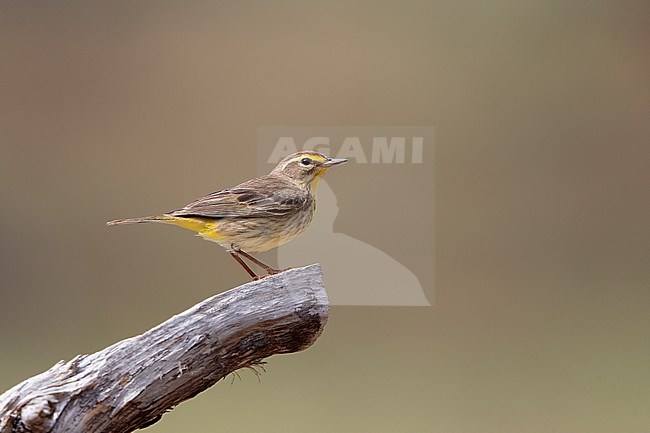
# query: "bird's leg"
{"points": [[269, 270], [244, 265]]}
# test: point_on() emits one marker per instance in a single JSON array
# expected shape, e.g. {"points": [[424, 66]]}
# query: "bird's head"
{"points": [[307, 167]]}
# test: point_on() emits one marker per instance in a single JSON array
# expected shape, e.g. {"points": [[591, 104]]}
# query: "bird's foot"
{"points": [[269, 272]]}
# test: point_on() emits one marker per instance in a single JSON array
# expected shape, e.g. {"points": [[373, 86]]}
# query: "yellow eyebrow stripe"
{"points": [[316, 158]]}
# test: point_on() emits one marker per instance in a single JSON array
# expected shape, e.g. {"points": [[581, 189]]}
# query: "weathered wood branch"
{"points": [[132, 383]]}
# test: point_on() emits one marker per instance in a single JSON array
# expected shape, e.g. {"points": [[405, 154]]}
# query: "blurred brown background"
{"points": [[540, 321]]}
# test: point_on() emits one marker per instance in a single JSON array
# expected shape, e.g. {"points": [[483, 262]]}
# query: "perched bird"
{"points": [[257, 215]]}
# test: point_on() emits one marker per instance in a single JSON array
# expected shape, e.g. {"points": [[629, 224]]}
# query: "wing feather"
{"points": [[255, 198]]}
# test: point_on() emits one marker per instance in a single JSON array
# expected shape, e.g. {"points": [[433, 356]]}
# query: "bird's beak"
{"points": [[330, 162]]}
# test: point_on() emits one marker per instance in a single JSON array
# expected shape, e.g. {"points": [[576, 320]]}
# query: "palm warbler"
{"points": [[257, 215]]}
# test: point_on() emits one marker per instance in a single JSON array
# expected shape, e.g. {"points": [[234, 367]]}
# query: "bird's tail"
{"points": [[147, 219]]}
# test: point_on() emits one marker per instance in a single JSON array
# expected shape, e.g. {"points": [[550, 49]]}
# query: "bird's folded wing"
{"points": [[244, 201]]}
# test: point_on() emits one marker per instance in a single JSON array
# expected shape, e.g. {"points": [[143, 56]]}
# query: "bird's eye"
{"points": [[305, 161]]}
